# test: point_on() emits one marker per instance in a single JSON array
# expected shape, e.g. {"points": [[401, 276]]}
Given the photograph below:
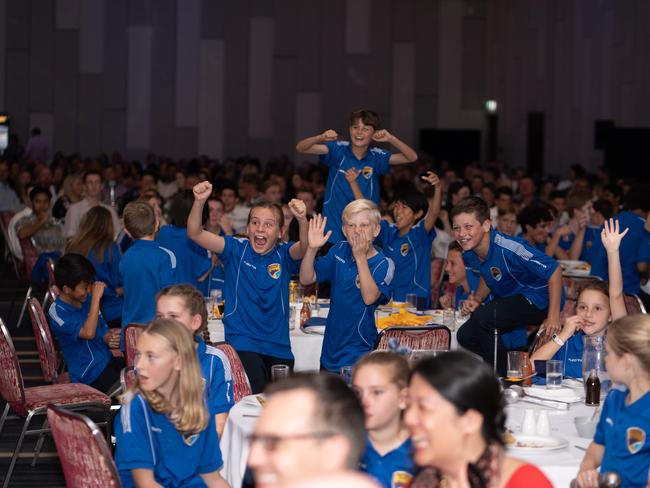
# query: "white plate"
{"points": [[571, 263], [534, 443]]}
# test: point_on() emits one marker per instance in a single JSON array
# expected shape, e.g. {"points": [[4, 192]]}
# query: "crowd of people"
{"points": [[145, 243]]}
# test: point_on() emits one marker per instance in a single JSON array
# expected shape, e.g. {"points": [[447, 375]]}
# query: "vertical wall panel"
{"points": [[3, 46], [308, 115], [66, 90], [260, 66], [45, 122], [211, 87], [41, 83], [357, 26], [114, 131], [139, 89], [18, 24], [333, 79], [17, 92], [403, 93], [90, 114], [212, 19], [115, 55], [187, 62], [91, 36], [426, 65], [283, 106], [68, 14], [309, 48]]}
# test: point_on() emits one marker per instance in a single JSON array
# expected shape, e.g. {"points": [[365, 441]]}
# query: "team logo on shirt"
{"points": [[496, 273], [635, 439], [400, 479], [275, 270], [190, 439], [367, 172], [588, 244], [404, 249]]}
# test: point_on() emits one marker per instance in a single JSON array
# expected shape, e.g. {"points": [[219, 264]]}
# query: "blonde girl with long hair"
{"points": [[165, 434]]}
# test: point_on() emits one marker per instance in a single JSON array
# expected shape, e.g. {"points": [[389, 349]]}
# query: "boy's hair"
{"points": [[576, 200], [415, 200], [72, 269], [37, 190], [533, 215], [638, 197], [139, 219], [362, 205], [268, 184], [604, 207], [190, 416], [180, 209], [506, 190], [557, 194], [512, 209], [471, 205], [368, 117], [227, 185], [631, 335], [396, 364], [193, 302], [454, 246], [91, 172], [276, 208], [614, 189]]}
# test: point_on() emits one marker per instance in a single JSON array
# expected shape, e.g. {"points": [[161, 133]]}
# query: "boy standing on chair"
{"points": [[77, 322], [526, 283]]}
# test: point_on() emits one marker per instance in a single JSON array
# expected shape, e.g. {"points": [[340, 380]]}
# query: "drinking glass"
{"points": [[346, 374], [515, 366], [279, 371], [412, 301], [448, 318], [554, 373]]}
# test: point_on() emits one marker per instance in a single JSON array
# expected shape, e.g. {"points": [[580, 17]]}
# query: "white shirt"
{"points": [[78, 210], [14, 242]]}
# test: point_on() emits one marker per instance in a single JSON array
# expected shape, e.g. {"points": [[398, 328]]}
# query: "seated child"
{"points": [[185, 304], [380, 380], [77, 322], [361, 278], [165, 434], [507, 220], [620, 443]]}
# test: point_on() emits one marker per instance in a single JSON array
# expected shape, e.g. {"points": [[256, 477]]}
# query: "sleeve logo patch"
{"points": [[635, 437], [275, 270]]}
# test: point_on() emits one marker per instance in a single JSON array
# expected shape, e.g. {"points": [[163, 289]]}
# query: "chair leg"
{"points": [[39, 443], [4, 417], [22, 310], [496, 339], [19, 444]]}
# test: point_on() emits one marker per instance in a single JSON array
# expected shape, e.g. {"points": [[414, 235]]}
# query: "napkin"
{"points": [[558, 394], [402, 318]]}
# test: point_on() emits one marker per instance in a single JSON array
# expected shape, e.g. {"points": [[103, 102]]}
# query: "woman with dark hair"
{"points": [[457, 423]]}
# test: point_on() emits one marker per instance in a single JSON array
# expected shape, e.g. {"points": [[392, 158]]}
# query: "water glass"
{"points": [[515, 366], [346, 374], [279, 371], [448, 318], [554, 369], [298, 293], [412, 302]]}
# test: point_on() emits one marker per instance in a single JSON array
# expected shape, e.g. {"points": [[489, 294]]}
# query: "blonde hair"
{"points": [[191, 414], [396, 364], [192, 301], [631, 335], [95, 234], [139, 220], [362, 205]]}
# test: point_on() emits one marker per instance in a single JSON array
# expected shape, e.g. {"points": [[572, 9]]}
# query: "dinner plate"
{"points": [[534, 443]]}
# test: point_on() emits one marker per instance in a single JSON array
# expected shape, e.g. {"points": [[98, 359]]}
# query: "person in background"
{"points": [[37, 149], [93, 186], [72, 192], [536, 223], [457, 424], [507, 221], [9, 200]]}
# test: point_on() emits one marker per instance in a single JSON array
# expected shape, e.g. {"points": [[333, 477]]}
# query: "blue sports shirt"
{"points": [[193, 260], [215, 369], [571, 355], [108, 272], [394, 469]]}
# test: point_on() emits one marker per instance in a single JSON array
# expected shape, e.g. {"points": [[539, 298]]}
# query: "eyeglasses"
{"points": [[271, 442]]}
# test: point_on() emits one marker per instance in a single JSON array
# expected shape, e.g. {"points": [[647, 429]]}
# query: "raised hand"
{"points": [[98, 289], [550, 327], [431, 178], [563, 230], [298, 209], [351, 174], [610, 235], [329, 135], [573, 324], [382, 135], [202, 191], [360, 246], [316, 236]]}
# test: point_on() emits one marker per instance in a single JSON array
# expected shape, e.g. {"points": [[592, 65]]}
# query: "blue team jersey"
{"points": [[594, 252], [256, 315], [624, 430], [571, 355], [411, 254], [108, 272], [395, 469], [146, 268], [337, 191], [149, 440], [216, 372], [193, 260], [512, 267], [631, 251], [350, 330], [86, 358]]}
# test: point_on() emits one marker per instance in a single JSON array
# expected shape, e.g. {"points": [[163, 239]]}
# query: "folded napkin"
{"points": [[402, 318], [558, 394]]}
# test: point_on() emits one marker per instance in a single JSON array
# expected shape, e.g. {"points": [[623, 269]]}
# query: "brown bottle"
{"points": [[592, 389], [528, 369], [305, 313]]}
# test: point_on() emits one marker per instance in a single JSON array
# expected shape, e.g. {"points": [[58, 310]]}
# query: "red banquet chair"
{"points": [[131, 334], [424, 337], [437, 277], [240, 384], [29, 402], [47, 354], [84, 454], [127, 378], [633, 304]]}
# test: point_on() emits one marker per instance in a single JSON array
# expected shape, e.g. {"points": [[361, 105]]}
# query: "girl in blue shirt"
{"points": [[185, 304], [165, 433], [622, 442], [380, 379]]}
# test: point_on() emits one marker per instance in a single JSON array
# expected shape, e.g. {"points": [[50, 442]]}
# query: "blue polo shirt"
{"points": [[146, 268], [350, 330], [215, 369], [411, 254], [149, 440], [512, 267], [594, 252], [337, 191], [86, 358], [256, 315], [624, 430], [108, 272], [632, 251], [394, 469], [193, 260], [571, 355]]}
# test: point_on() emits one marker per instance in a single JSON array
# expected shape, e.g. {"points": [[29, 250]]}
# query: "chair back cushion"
{"points": [[633, 304], [84, 454], [131, 334], [240, 384], [44, 341], [11, 379], [437, 275], [437, 337]]}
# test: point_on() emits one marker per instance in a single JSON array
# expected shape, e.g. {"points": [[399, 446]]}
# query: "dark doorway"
{"points": [[458, 146]]}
